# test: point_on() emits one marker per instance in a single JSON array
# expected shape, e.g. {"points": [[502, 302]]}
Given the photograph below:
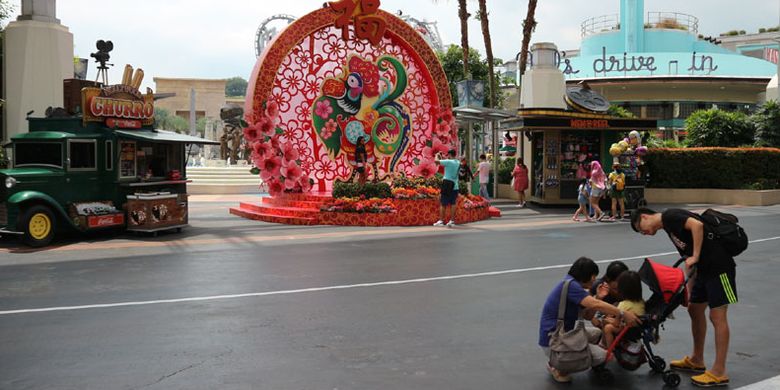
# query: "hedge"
{"points": [[505, 169], [368, 190], [732, 168]]}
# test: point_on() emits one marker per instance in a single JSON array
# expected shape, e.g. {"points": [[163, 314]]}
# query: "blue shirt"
{"points": [[550, 310], [451, 170]]}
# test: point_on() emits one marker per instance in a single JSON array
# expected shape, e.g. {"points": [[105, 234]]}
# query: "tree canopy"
{"points": [[452, 62], [235, 86]]}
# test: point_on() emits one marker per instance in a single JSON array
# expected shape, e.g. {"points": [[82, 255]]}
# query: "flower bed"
{"points": [[407, 212], [358, 205]]}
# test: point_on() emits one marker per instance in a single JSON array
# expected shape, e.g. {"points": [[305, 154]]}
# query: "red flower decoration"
{"points": [[270, 167], [251, 133], [426, 168], [289, 152], [275, 187], [272, 109], [266, 126]]}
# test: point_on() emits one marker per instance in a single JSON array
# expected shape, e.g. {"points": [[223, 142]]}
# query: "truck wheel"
{"points": [[37, 223]]}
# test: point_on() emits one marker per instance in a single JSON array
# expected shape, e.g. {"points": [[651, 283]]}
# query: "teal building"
{"points": [[656, 65]]}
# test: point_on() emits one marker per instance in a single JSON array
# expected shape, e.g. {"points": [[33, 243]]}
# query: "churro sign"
{"points": [[121, 105]]}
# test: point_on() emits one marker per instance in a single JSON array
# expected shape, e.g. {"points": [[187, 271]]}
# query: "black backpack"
{"points": [[725, 228]]}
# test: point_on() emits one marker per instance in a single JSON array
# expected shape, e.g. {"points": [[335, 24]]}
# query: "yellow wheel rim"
{"points": [[40, 226]]}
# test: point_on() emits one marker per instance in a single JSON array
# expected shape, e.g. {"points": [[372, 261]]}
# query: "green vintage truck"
{"points": [[92, 172]]}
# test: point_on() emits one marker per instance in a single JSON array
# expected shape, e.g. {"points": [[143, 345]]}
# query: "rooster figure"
{"points": [[361, 104]]}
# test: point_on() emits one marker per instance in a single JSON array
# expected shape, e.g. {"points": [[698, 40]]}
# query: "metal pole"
{"points": [[496, 157], [192, 112]]}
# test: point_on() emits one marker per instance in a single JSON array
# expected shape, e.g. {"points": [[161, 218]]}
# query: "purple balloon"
{"points": [[641, 151]]}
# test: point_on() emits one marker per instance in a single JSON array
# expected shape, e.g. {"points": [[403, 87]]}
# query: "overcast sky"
{"points": [[215, 39]]}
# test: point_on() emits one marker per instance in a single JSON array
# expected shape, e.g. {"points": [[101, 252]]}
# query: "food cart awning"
{"points": [[163, 136], [480, 114], [575, 122]]}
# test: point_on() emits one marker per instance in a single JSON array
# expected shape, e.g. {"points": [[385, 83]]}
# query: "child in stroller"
{"points": [[629, 286], [633, 346]]}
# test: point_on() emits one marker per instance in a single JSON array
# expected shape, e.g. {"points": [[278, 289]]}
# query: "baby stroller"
{"points": [[633, 346]]}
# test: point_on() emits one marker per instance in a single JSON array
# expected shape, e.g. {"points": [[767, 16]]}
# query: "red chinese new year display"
{"points": [[345, 78]]}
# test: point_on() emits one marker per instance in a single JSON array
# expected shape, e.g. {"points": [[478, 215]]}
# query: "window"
{"points": [[109, 155], [127, 157], [42, 153], [82, 155]]}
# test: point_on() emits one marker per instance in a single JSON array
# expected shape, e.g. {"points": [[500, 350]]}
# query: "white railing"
{"points": [[669, 20], [600, 24], [672, 20]]}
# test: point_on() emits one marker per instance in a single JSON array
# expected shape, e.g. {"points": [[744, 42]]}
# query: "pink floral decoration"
{"points": [[261, 149], [323, 109], [291, 173], [272, 110], [266, 126], [328, 129], [251, 133], [427, 168], [270, 167], [304, 183], [289, 152], [275, 187]]}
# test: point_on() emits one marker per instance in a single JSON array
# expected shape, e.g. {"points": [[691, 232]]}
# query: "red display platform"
{"points": [[304, 209]]}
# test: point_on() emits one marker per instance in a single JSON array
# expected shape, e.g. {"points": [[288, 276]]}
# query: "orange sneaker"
{"points": [[686, 364], [709, 379]]}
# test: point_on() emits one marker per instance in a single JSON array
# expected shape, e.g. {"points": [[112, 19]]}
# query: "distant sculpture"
{"points": [[223, 144], [230, 141], [235, 145]]}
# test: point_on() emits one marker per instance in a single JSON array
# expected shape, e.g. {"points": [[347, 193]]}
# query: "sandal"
{"points": [[686, 364], [709, 379]]}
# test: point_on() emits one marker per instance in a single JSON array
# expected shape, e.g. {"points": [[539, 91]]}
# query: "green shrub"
{"points": [[732, 168], [767, 123], [715, 127], [404, 181], [619, 112], [463, 187], [379, 190], [505, 171]]}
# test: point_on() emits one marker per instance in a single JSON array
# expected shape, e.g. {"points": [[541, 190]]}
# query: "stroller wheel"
{"points": [[658, 364], [672, 379]]}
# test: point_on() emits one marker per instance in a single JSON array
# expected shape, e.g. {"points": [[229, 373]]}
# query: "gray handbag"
{"points": [[569, 351]]}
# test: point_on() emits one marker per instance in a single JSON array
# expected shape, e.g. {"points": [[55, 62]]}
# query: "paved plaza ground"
{"points": [[238, 304]]}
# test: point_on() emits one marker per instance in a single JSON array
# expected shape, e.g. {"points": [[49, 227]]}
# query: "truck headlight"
{"points": [[10, 182]]}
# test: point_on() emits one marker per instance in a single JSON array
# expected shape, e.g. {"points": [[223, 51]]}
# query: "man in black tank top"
{"points": [[714, 285]]}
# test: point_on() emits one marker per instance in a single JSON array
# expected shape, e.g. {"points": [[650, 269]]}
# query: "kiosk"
{"points": [[96, 164]]}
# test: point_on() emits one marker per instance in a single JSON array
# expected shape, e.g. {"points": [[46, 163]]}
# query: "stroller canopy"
{"points": [[662, 279]]}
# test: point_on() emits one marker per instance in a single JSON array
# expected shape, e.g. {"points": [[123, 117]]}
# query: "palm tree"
{"points": [[529, 25], [464, 35], [483, 17], [464, 15]]}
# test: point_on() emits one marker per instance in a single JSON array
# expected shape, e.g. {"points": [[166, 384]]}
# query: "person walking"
{"points": [[713, 285], [583, 197], [483, 170], [520, 181], [464, 172], [449, 189], [617, 185], [598, 184]]}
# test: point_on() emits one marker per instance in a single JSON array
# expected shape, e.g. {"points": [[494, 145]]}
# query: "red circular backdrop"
{"points": [[309, 52]]}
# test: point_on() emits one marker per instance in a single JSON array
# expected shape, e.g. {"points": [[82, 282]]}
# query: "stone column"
{"points": [[37, 57]]}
